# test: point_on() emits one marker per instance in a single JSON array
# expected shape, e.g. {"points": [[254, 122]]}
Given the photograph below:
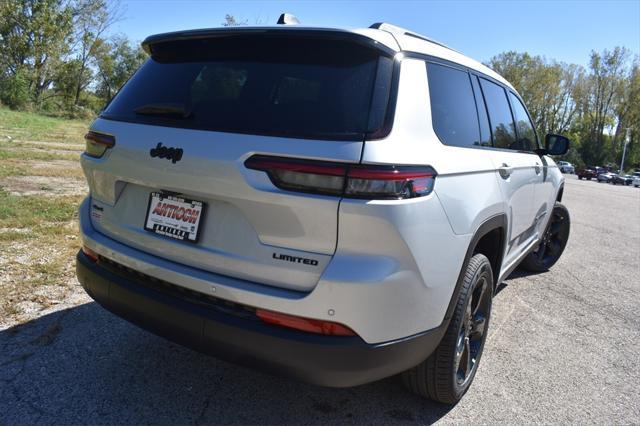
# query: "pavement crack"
{"points": [[51, 333], [20, 358], [48, 336], [200, 419]]}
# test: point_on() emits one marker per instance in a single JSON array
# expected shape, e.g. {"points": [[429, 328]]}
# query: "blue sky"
{"points": [[562, 30]]}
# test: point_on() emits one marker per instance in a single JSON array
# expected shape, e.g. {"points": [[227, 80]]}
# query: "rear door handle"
{"points": [[505, 171]]}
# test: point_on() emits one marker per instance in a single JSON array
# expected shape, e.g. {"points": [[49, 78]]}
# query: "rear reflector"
{"points": [[98, 143], [92, 255], [304, 324], [346, 180]]}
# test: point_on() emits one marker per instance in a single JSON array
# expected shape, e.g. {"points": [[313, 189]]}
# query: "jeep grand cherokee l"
{"points": [[336, 206]]}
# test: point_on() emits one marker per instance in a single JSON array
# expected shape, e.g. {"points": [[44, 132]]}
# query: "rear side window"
{"points": [[485, 130], [504, 135], [524, 129], [292, 87], [453, 108]]}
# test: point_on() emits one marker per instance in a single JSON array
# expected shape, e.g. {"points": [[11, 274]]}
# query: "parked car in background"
{"points": [[566, 167], [622, 179], [636, 181], [605, 177], [587, 173]]}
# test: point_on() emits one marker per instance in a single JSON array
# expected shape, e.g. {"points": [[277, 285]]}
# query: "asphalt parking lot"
{"points": [[563, 348]]}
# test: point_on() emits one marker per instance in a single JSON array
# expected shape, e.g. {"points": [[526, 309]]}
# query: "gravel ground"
{"points": [[562, 349]]}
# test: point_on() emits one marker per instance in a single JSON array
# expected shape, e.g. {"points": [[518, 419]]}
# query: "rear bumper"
{"points": [[243, 339]]}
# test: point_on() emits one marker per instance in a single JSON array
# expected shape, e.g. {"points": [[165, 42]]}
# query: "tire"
{"points": [[442, 377], [552, 244], [579, 177]]}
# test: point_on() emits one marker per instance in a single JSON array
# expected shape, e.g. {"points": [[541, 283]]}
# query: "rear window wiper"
{"points": [[165, 110]]}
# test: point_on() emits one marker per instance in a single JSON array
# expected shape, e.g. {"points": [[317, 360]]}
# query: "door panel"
{"points": [[517, 169], [517, 179], [546, 190]]}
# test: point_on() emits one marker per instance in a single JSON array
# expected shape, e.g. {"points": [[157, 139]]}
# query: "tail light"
{"points": [[92, 255], [304, 324], [98, 143], [346, 180]]}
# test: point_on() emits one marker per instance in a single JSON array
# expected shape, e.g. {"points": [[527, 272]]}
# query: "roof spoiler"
{"points": [[285, 29]]}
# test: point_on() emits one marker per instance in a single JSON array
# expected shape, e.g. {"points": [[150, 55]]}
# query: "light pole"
{"points": [[627, 139]]}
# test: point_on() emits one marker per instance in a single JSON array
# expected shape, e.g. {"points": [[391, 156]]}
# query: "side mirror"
{"points": [[556, 144]]}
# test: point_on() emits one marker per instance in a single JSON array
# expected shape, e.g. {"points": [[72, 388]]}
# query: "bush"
{"points": [[14, 91], [80, 112]]}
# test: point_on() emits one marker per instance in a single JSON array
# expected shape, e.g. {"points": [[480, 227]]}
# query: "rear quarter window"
{"points": [[453, 107]]}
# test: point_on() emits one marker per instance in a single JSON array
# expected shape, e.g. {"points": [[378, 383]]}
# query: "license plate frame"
{"points": [[165, 218]]}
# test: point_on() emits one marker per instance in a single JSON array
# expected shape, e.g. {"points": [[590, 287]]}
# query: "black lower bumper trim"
{"points": [[318, 359]]}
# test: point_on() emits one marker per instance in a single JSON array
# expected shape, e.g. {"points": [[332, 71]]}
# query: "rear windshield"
{"points": [[293, 87]]}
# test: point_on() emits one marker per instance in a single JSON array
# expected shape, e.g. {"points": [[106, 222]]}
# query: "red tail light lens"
{"points": [[98, 143], [304, 324], [389, 182], [301, 175], [347, 180], [92, 255]]}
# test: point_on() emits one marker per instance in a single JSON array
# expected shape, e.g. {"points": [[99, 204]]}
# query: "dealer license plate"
{"points": [[174, 217]]}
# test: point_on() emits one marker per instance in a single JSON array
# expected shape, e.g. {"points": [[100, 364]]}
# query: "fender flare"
{"points": [[560, 193], [498, 221]]}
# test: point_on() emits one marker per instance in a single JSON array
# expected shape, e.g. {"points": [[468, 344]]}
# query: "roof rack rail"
{"points": [[399, 31]]}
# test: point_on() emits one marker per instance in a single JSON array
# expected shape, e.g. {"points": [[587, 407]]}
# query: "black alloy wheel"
{"points": [[448, 373], [471, 335], [552, 244]]}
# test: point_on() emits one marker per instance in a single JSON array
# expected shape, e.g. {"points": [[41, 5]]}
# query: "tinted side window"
{"points": [[504, 135], [524, 128], [485, 131], [453, 108]]}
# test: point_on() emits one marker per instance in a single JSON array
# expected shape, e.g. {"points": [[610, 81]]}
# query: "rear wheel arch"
{"points": [[489, 239], [560, 193], [491, 244]]}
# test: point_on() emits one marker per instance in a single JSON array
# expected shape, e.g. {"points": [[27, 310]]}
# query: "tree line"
{"points": [[593, 105], [57, 56]]}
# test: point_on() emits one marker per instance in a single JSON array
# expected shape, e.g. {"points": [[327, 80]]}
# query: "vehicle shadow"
{"points": [[85, 365], [517, 273]]}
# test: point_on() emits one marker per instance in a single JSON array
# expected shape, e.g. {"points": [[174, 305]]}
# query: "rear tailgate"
{"points": [[234, 101]]}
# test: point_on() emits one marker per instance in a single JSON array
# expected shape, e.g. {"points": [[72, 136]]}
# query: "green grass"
{"points": [[33, 126], [38, 233], [10, 169], [36, 155], [21, 167], [17, 211], [42, 146]]}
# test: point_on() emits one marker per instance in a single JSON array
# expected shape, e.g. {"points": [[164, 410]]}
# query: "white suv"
{"points": [[336, 206], [566, 167]]}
